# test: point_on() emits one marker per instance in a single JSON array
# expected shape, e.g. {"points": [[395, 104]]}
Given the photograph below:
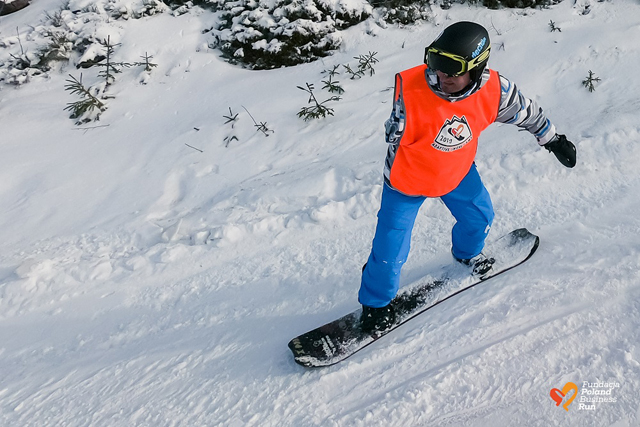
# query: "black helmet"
{"points": [[461, 47]]}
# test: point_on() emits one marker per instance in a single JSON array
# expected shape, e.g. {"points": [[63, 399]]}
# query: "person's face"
{"points": [[450, 84]]}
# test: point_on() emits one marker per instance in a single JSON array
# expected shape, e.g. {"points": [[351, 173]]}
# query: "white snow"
{"points": [[152, 276]]}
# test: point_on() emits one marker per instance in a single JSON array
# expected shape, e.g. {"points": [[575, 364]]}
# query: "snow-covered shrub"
{"points": [[265, 35], [74, 33], [497, 4], [188, 4], [32, 51], [121, 9], [404, 12], [407, 12], [35, 50]]}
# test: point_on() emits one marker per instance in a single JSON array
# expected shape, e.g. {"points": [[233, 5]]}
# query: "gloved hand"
{"points": [[563, 149]]}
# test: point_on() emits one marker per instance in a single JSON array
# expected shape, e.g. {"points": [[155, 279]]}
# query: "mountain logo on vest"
{"points": [[453, 135]]}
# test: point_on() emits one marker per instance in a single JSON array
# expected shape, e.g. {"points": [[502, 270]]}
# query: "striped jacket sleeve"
{"points": [[393, 129], [523, 112]]}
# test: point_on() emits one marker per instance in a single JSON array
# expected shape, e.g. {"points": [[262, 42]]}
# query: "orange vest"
{"points": [[440, 138]]}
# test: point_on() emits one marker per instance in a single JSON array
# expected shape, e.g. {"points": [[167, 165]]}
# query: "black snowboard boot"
{"points": [[377, 319], [480, 264]]}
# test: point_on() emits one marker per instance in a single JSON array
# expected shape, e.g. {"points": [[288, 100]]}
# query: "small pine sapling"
{"points": [[333, 86], [366, 62], [110, 68], [354, 74], [552, 26], [148, 65], [88, 108], [590, 80], [332, 72], [318, 109], [231, 118]]}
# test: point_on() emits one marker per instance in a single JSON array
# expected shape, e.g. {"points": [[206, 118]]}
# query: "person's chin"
{"points": [[447, 89]]}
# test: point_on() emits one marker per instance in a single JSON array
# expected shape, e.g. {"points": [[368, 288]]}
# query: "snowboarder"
{"points": [[439, 110]]}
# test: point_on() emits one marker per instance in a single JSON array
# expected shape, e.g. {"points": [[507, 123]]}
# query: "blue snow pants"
{"points": [[469, 203]]}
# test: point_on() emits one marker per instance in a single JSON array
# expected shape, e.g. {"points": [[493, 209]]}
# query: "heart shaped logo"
{"points": [[559, 395]]}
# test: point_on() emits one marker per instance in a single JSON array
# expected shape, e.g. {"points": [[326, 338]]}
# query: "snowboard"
{"points": [[341, 338]]}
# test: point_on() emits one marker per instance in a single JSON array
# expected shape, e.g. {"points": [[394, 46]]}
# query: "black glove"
{"points": [[563, 149]]}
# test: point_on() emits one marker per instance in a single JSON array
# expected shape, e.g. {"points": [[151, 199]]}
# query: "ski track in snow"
{"points": [[143, 282]]}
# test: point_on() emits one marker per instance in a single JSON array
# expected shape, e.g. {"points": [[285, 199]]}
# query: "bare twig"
{"points": [[498, 32], [228, 139], [262, 127], [19, 41], [197, 149], [90, 128]]}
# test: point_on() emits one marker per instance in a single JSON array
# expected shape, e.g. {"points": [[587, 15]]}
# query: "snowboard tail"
{"points": [[341, 338]]}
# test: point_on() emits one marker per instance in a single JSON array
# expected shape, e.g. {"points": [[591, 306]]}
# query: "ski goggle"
{"points": [[451, 64]]}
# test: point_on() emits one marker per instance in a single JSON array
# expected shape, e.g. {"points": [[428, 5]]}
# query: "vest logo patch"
{"points": [[453, 135]]}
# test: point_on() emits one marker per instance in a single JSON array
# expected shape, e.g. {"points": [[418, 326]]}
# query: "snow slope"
{"points": [[147, 283]]}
